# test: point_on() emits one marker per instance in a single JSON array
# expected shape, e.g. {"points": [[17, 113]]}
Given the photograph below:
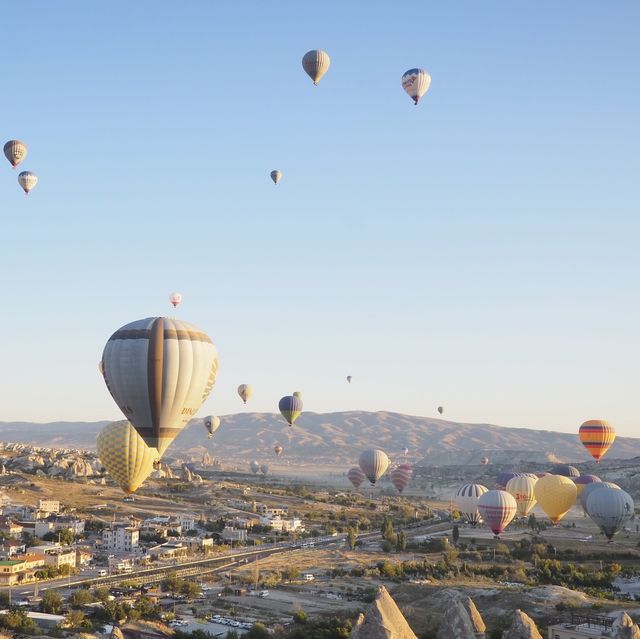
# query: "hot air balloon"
{"points": [[264, 469], [504, 477], [497, 508], [590, 488], [441, 409], [583, 481], [125, 455], [276, 176], [565, 470], [555, 494], [297, 394], [159, 371], [484, 461], [316, 63], [400, 478], [15, 151], [408, 468], [291, 408], [349, 378], [254, 467], [467, 502], [175, 299], [522, 490], [416, 83], [597, 436], [405, 451], [211, 423], [356, 476], [374, 463], [277, 449], [610, 509], [245, 391], [27, 181]]}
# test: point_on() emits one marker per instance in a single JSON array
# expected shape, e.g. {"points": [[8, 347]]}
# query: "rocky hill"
{"points": [[338, 437]]}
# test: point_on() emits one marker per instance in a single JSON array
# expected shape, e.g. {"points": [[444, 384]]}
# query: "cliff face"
{"points": [[624, 628], [522, 627], [382, 620]]}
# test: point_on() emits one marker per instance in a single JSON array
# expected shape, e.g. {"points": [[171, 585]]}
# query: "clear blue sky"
{"points": [[479, 251]]}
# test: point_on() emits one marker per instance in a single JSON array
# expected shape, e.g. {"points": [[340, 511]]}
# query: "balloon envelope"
{"points": [[316, 63], [277, 449], [522, 490], [211, 423], [504, 477], [555, 494], [27, 181], [497, 508], [356, 476], [245, 391], [374, 463], [15, 151], [276, 176], [565, 470], [125, 455], [349, 378], [596, 436], [590, 488], [610, 509], [254, 466], [416, 83], [583, 481], [175, 299], [400, 478], [467, 501], [291, 408], [484, 461], [159, 371], [264, 469]]}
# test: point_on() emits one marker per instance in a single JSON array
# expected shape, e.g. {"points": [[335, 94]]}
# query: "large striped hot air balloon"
{"points": [[555, 494], [125, 455], [497, 508], [159, 371], [211, 423], [597, 436], [356, 476], [27, 181], [521, 488], [374, 463], [291, 408], [467, 501], [245, 391], [15, 151], [316, 63], [400, 477], [583, 481], [416, 83], [589, 489], [610, 509]]}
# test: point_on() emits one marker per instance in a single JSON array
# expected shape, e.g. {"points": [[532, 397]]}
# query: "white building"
{"points": [[49, 506], [121, 538], [187, 522], [232, 534], [272, 511], [282, 525]]}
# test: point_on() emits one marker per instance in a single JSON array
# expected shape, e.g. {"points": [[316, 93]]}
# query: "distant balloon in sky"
{"points": [[467, 501], [211, 423], [175, 299], [15, 151], [349, 378], [441, 409], [597, 436], [254, 466], [416, 83], [406, 451], [277, 449], [316, 63], [356, 476], [27, 181], [555, 494], [373, 463], [125, 455], [245, 391], [264, 469], [484, 461], [291, 408], [297, 394], [276, 176], [497, 508], [159, 371]]}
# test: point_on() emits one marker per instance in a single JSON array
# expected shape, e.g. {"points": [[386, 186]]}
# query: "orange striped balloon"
{"points": [[597, 436]]}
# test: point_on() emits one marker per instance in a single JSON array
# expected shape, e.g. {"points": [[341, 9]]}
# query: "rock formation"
{"points": [[624, 628], [456, 621], [382, 620], [522, 627]]}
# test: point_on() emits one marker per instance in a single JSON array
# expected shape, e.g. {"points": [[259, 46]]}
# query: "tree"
{"points": [[455, 534], [80, 598], [352, 536], [76, 619], [258, 631], [386, 546], [532, 523], [387, 527], [401, 541], [300, 617], [291, 572], [51, 602], [191, 589]]}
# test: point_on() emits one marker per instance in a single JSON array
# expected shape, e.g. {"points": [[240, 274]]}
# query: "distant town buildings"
{"points": [[120, 538]]}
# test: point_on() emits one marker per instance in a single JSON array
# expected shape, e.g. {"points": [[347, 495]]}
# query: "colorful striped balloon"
{"points": [[497, 508], [597, 436], [467, 502], [400, 477], [356, 476], [522, 490]]}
